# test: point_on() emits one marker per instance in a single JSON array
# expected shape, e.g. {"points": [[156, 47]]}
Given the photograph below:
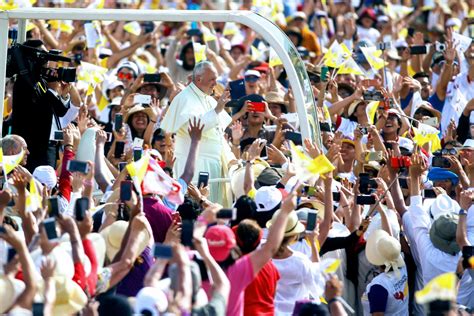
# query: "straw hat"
{"points": [[70, 298], [293, 226], [306, 205], [237, 176], [64, 264], [275, 97], [99, 247], [383, 249], [10, 289], [138, 108]]}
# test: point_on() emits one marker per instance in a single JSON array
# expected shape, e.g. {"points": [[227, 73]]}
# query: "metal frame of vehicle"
{"points": [[294, 66]]}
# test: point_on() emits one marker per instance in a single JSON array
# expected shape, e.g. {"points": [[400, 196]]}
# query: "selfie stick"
{"points": [[372, 209]]}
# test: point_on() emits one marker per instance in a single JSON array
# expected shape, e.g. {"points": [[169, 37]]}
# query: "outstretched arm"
{"points": [[195, 131]]}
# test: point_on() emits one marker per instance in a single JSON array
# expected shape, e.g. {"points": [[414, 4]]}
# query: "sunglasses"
{"points": [[127, 76]]}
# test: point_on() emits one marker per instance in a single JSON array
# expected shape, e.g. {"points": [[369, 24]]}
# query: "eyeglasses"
{"points": [[451, 151], [126, 76]]}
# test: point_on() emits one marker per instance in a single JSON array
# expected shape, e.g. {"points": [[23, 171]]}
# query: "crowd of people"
{"points": [[159, 168]]}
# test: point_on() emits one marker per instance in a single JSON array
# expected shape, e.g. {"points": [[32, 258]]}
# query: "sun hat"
{"points": [[376, 223], [268, 198], [99, 247], [468, 144], [136, 109], [130, 65], [113, 236], [115, 102], [268, 177], [437, 174], [442, 204], [70, 298], [383, 249], [46, 175], [237, 176], [113, 84], [393, 54], [427, 106], [150, 300], [351, 109], [10, 289], [64, 264], [221, 240], [293, 225], [443, 233], [406, 144], [275, 97], [307, 205]]}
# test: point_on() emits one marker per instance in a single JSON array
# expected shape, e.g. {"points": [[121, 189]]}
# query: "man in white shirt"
{"points": [[214, 152]]}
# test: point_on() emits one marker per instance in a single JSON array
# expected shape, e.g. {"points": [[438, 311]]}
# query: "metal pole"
{"points": [[22, 30], [3, 60]]}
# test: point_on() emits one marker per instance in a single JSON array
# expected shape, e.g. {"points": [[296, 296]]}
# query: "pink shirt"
{"points": [[240, 275]]}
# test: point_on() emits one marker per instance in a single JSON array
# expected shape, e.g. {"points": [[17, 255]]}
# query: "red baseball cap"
{"points": [[221, 240]]}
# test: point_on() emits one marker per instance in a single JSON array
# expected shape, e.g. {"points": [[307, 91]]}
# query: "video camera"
{"points": [[28, 62]]}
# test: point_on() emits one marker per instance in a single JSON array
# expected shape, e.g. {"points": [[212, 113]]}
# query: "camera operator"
{"points": [[36, 118]]}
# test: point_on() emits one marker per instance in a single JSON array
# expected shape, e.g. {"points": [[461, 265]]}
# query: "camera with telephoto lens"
{"points": [[29, 63], [400, 162]]}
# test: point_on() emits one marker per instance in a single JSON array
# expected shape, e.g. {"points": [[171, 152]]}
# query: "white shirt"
{"points": [[66, 119], [433, 261], [299, 279], [370, 34]]}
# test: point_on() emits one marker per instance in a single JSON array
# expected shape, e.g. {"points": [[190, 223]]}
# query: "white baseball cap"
{"points": [[267, 198]]}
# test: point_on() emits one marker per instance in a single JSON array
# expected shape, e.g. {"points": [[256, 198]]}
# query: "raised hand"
{"points": [[256, 148], [237, 132], [100, 137], [195, 129], [311, 148]]}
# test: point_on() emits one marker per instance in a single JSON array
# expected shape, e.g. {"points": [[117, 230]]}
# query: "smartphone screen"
{"points": [[152, 78], [365, 200], [119, 149], [142, 99], [162, 251], [82, 205], [77, 166], [429, 194], [417, 50], [125, 190], [187, 228], [237, 89], [50, 228], [122, 165], [137, 154], [118, 122], [311, 221], [203, 179], [294, 137], [58, 135], [336, 196], [53, 206]]}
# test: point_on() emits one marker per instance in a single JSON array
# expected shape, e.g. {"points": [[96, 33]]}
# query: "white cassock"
{"points": [[214, 152]]}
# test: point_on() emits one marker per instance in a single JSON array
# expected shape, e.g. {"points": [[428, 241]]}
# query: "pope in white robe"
{"points": [[214, 152]]}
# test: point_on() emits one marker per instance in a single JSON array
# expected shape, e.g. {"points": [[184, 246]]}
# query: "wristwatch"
{"points": [[462, 212]]}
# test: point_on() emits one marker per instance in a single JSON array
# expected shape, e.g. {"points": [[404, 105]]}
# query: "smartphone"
{"points": [[53, 205], [125, 190], [38, 309], [78, 166], [370, 83], [109, 137], [187, 228], [366, 184], [152, 78], [403, 183], [122, 165], [148, 26], [237, 89], [118, 122], [162, 251], [411, 31], [324, 73], [365, 200], [256, 107], [384, 45], [441, 162], [10, 253], [137, 153], [373, 96], [311, 221], [294, 137], [58, 135], [336, 196], [50, 228], [142, 99], [119, 149], [82, 205], [203, 179], [194, 32], [363, 130], [418, 50], [431, 121], [374, 156], [429, 194], [227, 213]]}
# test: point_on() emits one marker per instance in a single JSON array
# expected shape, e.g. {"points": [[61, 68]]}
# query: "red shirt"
{"points": [[91, 279], [65, 179], [260, 294]]}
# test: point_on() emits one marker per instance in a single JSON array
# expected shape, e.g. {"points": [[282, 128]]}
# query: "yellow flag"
{"points": [[373, 57], [10, 162], [90, 90], [255, 53], [146, 65], [207, 35], [33, 198], [336, 55], [102, 103], [332, 265], [350, 67], [427, 134], [137, 170], [30, 26], [199, 52], [133, 28], [155, 4], [307, 168], [6, 112], [371, 110], [230, 29], [320, 165], [91, 73], [274, 59], [443, 287]]}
